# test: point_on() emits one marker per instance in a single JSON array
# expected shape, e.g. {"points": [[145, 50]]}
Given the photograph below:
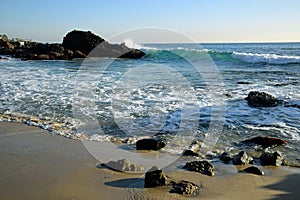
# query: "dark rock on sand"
{"points": [[151, 144], [262, 99], [155, 177], [189, 152], [226, 157], [185, 187], [203, 167], [274, 159], [266, 141], [123, 165], [242, 159], [254, 170]]}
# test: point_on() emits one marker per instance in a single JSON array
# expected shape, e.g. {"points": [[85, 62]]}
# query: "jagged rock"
{"points": [[203, 167], [155, 177], [274, 159], [266, 141], [262, 99], [254, 170], [189, 152], [242, 159], [123, 165], [225, 157], [185, 187], [151, 144]]}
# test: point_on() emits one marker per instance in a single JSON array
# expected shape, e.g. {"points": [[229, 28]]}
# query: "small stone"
{"points": [[155, 177], [254, 170], [242, 159], [274, 159], [203, 167], [185, 187]]}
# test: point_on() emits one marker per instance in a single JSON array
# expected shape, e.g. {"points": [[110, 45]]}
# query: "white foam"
{"points": [[265, 58]]}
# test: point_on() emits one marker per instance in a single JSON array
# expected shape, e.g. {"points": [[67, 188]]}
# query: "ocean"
{"points": [[186, 93]]}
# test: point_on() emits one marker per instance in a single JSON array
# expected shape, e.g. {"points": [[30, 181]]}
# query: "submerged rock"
{"points": [[266, 141], [185, 187], [203, 167], [254, 170], [262, 99], [151, 144], [274, 159], [242, 159], [155, 177], [123, 165]]}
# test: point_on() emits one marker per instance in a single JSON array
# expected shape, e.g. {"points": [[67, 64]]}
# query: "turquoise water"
{"points": [[174, 87]]}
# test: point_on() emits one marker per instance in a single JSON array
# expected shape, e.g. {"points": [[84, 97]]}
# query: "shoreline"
{"points": [[38, 165]]}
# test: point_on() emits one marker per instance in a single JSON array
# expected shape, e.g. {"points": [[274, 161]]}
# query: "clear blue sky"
{"points": [[202, 20]]}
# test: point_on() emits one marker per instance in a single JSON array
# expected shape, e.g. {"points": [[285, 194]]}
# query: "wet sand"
{"points": [[37, 165]]}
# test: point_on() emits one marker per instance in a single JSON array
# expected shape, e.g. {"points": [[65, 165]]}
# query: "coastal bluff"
{"points": [[76, 44]]}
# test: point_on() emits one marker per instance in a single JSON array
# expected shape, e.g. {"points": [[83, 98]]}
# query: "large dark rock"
{"points": [[203, 167], [155, 177], [254, 170], [151, 144], [123, 165], [185, 187], [95, 46], [274, 159], [262, 99], [265, 141], [242, 159], [84, 41]]}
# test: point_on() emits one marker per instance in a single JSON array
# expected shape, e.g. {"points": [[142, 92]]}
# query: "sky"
{"points": [[200, 20]]}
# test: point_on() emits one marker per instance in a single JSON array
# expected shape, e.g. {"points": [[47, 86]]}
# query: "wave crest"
{"points": [[266, 58]]}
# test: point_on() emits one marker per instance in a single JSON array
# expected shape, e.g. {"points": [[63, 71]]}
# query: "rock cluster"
{"points": [[76, 44], [156, 178]]}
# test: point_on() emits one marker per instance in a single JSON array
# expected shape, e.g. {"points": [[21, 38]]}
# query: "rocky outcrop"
{"points": [[203, 167], [242, 159], [123, 165], [151, 144], [76, 44], [254, 170], [266, 141], [155, 177], [185, 187], [262, 99], [274, 159]]}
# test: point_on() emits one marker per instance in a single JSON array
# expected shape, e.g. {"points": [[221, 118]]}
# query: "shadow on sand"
{"points": [[290, 185], [127, 183]]}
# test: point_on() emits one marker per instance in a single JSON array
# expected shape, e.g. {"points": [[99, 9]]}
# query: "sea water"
{"points": [[165, 93]]}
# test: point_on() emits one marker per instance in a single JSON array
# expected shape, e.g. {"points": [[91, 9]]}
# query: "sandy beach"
{"points": [[38, 165]]}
